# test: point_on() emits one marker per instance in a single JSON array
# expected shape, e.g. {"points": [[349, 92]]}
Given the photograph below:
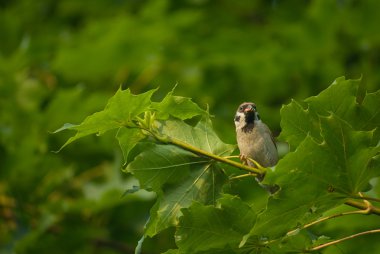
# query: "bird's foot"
{"points": [[244, 159]]}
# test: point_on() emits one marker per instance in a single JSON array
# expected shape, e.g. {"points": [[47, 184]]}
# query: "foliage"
{"points": [[335, 156], [61, 60]]}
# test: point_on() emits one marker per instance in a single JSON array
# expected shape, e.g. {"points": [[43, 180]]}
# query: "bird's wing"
{"points": [[267, 130]]}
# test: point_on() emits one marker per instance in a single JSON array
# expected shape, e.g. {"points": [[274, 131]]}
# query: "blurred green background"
{"points": [[61, 60]]}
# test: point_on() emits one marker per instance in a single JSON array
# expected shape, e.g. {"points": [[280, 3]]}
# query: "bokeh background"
{"points": [[61, 60]]}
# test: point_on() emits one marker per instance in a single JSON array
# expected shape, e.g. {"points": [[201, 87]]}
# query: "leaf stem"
{"points": [[343, 239]]}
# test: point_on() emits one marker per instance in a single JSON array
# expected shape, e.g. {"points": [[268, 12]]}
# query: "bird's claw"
{"points": [[244, 159]]}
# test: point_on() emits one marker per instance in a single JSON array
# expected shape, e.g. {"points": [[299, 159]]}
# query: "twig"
{"points": [[324, 219], [367, 198], [343, 239], [363, 206]]}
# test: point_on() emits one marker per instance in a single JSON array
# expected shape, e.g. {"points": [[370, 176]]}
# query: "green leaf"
{"points": [[202, 136], [178, 176], [203, 184], [297, 243], [128, 139], [370, 114], [119, 111], [163, 164], [339, 98], [65, 127], [297, 123], [177, 106], [350, 153], [210, 228]]}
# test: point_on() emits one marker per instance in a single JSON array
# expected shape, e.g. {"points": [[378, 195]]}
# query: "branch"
{"points": [[344, 239], [364, 206], [201, 152]]}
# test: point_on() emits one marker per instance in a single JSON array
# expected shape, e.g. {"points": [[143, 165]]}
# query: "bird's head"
{"points": [[246, 114]]}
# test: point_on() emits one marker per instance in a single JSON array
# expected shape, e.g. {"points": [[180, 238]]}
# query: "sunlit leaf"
{"points": [[202, 136], [119, 111], [177, 106]]}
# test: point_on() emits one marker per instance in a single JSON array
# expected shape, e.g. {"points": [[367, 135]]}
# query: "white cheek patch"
{"points": [[239, 120]]}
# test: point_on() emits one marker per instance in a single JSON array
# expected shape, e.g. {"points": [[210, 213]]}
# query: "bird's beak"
{"points": [[249, 108]]}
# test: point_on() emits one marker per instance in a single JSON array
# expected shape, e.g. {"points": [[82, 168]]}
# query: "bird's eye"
{"points": [[241, 108]]}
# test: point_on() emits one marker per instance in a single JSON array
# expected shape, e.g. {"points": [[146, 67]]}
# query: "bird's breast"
{"points": [[258, 144]]}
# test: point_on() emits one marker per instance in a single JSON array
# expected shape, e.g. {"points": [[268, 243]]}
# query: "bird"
{"points": [[254, 138]]}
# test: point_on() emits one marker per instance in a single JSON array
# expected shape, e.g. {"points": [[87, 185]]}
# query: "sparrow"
{"points": [[254, 139]]}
